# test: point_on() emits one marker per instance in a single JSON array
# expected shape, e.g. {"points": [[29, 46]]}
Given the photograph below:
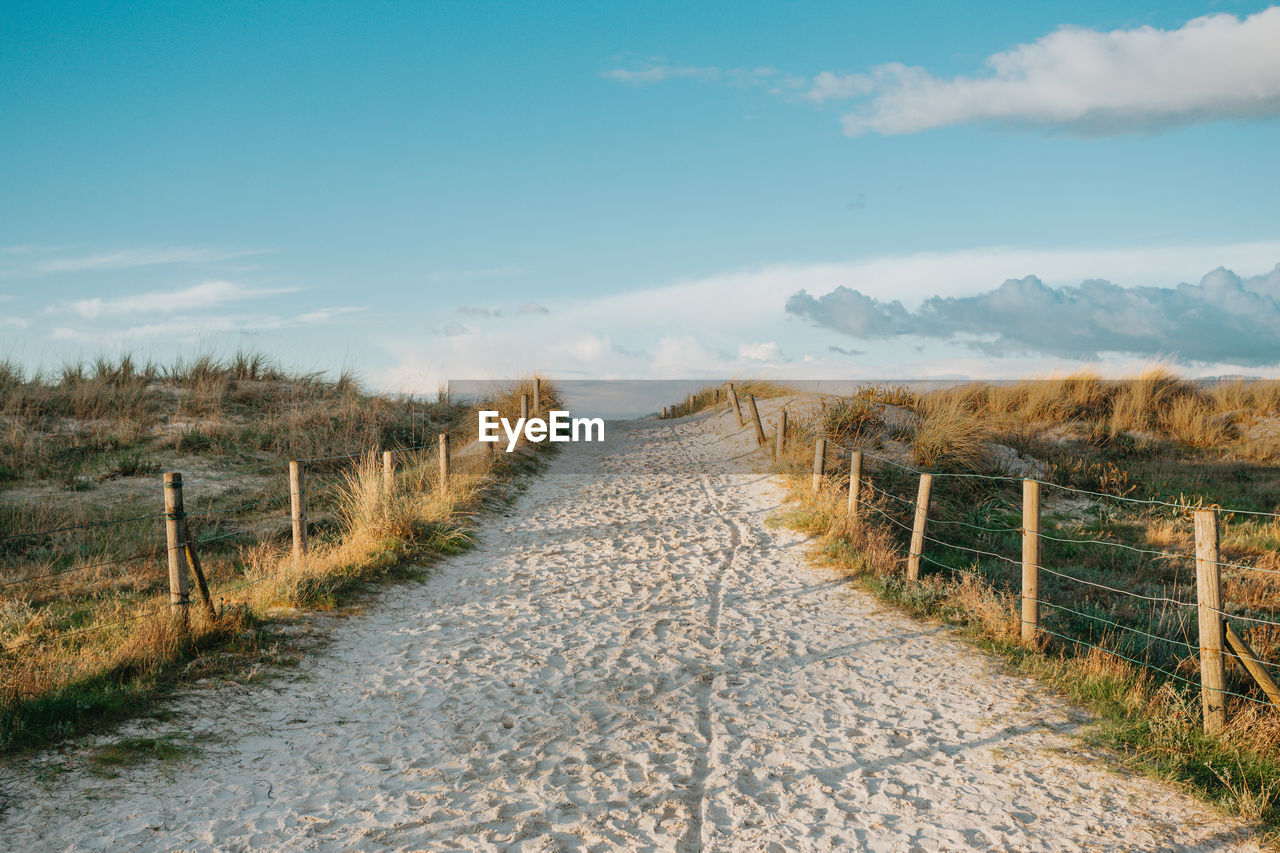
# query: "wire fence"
{"points": [[1164, 652], [1006, 478], [1166, 644], [202, 526]]}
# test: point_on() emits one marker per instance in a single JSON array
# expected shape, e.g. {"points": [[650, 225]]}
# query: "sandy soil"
{"points": [[632, 659]]}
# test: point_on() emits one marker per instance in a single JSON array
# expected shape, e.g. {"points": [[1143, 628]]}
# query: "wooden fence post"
{"points": [[737, 409], [782, 435], [755, 417], [1249, 658], [537, 396], [1030, 561], [819, 462], [174, 526], [193, 560], [917, 529], [524, 407], [444, 463], [664, 413], [388, 471], [855, 481], [1213, 669], [298, 510]]}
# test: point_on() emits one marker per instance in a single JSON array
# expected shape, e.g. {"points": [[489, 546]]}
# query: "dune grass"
{"points": [[87, 635], [712, 395], [1157, 437]]}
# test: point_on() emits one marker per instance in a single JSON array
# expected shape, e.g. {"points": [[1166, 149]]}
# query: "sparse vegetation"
{"points": [[86, 632], [1132, 660], [706, 397]]}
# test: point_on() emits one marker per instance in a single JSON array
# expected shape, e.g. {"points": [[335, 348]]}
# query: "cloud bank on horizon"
{"points": [[1223, 319], [909, 316], [1074, 79]]}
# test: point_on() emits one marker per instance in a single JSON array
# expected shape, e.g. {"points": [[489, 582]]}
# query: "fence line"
{"points": [[1010, 479], [182, 545], [1216, 637]]}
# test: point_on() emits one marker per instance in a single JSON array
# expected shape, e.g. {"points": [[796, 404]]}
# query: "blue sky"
{"points": [[432, 190]]}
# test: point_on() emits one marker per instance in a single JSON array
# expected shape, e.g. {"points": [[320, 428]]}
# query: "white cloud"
{"points": [[509, 271], [658, 73], [830, 86], [772, 80], [1224, 318], [1214, 67], [1075, 79], [126, 259], [209, 294], [715, 326], [584, 349], [765, 352], [533, 308], [323, 315], [194, 327], [14, 322]]}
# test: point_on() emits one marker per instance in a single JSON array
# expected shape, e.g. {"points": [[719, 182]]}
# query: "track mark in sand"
{"points": [[714, 678]]}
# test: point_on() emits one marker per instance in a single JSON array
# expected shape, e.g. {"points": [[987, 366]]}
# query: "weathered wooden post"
{"points": [[388, 472], [781, 444], [819, 462], [524, 407], [174, 526], [755, 418], [193, 560], [917, 529], [444, 463], [1030, 561], [298, 511], [1252, 663], [855, 481], [1213, 668], [664, 413], [737, 409], [537, 396]]}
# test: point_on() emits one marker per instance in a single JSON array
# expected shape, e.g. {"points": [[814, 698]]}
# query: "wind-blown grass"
{"points": [[87, 635], [1156, 436]]}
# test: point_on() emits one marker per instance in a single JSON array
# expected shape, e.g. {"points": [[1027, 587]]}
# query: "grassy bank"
{"points": [[712, 395], [87, 635], [1127, 460]]}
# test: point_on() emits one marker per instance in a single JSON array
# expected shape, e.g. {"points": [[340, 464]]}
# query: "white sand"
{"points": [[631, 659]]}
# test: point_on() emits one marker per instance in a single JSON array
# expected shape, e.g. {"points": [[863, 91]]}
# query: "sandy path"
{"points": [[631, 659]]}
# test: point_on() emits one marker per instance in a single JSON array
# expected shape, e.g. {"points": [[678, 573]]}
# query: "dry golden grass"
{"points": [[1155, 725], [1191, 420], [1156, 436], [948, 435], [82, 643], [761, 389]]}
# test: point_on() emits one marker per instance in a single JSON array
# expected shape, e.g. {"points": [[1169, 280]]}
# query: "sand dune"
{"points": [[631, 659]]}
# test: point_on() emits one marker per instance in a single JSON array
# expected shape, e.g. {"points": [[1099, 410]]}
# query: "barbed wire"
{"points": [[88, 525], [1005, 478], [1107, 543], [1156, 637], [978, 552], [1154, 668], [73, 569]]}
